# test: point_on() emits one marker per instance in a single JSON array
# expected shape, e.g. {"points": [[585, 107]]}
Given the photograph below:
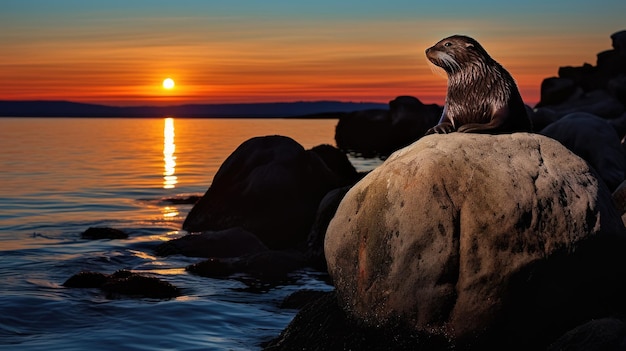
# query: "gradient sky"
{"points": [[118, 52]]}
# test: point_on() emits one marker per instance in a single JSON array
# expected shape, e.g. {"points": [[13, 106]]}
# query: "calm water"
{"points": [[60, 176]]}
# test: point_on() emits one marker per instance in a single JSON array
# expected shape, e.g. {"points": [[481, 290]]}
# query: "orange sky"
{"points": [[120, 56]]}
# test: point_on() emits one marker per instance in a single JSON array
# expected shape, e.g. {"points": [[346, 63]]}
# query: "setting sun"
{"points": [[168, 83]]}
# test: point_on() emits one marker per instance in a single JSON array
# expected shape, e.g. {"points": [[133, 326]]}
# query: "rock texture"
{"points": [[271, 187], [596, 141], [484, 239]]}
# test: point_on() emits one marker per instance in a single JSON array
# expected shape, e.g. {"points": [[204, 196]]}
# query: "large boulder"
{"points": [[596, 141], [381, 132], [488, 240], [270, 186]]}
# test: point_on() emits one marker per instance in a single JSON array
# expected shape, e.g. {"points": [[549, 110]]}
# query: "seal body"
{"points": [[482, 96]]}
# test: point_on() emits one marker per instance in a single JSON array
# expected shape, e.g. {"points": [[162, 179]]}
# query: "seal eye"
{"points": [[447, 44]]}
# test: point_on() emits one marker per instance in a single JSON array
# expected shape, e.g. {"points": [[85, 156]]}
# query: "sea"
{"points": [[61, 176]]}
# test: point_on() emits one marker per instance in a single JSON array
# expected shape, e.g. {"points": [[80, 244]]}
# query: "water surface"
{"points": [[61, 176]]}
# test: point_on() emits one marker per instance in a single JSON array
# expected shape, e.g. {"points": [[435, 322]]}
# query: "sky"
{"points": [[235, 51]]}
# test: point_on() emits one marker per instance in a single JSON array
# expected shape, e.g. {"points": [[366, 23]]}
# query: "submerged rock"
{"points": [[505, 240], [124, 283], [96, 233]]}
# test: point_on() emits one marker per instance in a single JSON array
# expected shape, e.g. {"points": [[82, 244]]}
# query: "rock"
{"points": [[364, 132], [596, 141], [597, 102], [268, 266], [301, 298], [555, 91], [606, 334], [95, 233], [182, 200], [619, 42], [503, 240], [323, 325], [325, 212], [124, 283], [410, 119], [86, 280], [374, 133], [269, 186], [231, 242]]}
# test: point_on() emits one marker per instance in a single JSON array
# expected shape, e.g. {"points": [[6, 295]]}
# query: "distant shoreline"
{"points": [[295, 110]]}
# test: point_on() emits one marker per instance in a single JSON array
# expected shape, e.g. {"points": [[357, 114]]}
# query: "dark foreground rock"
{"points": [[124, 283], [323, 326], [96, 233], [271, 187], [490, 241], [605, 334]]}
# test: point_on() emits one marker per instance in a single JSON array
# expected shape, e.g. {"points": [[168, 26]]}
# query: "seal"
{"points": [[482, 96]]}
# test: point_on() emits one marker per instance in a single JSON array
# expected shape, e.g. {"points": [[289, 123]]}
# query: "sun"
{"points": [[168, 83]]}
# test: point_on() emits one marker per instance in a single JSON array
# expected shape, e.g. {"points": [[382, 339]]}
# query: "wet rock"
{"points": [[301, 298], [374, 133], [268, 266], [95, 233], [323, 325], [124, 283], [231, 242], [605, 334], [269, 186], [325, 212], [506, 240], [86, 279], [596, 141]]}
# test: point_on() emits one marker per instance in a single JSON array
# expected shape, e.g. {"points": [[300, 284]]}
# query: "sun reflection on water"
{"points": [[169, 147]]}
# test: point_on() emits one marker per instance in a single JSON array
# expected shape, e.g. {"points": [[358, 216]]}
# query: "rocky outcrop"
{"points": [[599, 90], [505, 240], [271, 187], [596, 141], [380, 132]]}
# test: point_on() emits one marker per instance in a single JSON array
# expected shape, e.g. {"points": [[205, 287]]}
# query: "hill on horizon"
{"points": [[53, 108]]}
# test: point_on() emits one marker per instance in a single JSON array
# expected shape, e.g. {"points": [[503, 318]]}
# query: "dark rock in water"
{"points": [[212, 268], [103, 233], [231, 242], [606, 334], [410, 119], [124, 283], [323, 325], [86, 280], [364, 132], [490, 241], [596, 141], [380, 132], [268, 266], [185, 200], [271, 187], [133, 284]]}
